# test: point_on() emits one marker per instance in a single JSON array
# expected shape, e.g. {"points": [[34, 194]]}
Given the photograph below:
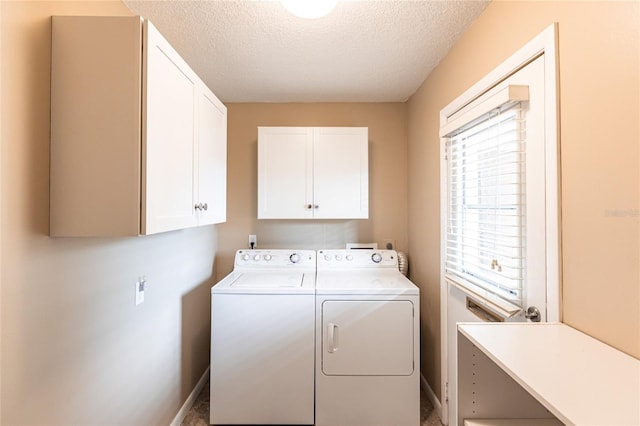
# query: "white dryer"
{"points": [[262, 339], [367, 340]]}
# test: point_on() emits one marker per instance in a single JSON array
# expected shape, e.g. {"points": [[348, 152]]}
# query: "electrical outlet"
{"points": [[140, 286], [253, 240], [388, 244]]}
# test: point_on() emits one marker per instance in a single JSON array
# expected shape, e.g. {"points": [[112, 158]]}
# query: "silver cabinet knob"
{"points": [[316, 206], [205, 206], [198, 206]]}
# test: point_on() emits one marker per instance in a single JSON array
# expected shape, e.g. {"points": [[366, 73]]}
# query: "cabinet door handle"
{"points": [[309, 206], [316, 206], [201, 206], [332, 334]]}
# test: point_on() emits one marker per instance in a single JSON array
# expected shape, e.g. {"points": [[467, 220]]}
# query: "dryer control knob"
{"points": [[294, 258], [376, 257], [267, 257], [349, 257], [245, 256], [327, 257], [338, 257], [256, 257]]}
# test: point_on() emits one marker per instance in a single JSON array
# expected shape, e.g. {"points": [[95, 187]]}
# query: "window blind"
{"points": [[485, 237]]}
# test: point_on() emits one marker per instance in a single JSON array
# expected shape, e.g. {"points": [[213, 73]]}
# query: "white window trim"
{"points": [[545, 44]]}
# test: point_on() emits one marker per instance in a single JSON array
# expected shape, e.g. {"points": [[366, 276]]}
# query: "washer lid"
{"points": [[364, 282], [266, 282]]}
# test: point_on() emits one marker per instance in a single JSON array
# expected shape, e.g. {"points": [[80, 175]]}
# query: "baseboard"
{"points": [[431, 396], [191, 399]]}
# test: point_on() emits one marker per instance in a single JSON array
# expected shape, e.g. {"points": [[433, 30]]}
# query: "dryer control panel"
{"points": [[269, 259], [356, 258]]}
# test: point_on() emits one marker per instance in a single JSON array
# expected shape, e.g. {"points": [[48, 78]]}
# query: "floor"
{"points": [[199, 413]]}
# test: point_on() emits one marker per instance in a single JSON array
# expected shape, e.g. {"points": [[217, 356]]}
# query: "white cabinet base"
{"points": [[485, 391], [546, 370]]}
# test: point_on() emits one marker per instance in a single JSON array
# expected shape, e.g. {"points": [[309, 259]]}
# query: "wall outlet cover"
{"points": [[140, 292], [389, 244]]}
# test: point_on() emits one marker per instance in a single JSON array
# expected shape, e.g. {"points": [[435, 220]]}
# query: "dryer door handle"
{"points": [[332, 334]]}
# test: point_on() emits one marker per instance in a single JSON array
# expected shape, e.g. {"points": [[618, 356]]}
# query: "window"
{"points": [[485, 235]]}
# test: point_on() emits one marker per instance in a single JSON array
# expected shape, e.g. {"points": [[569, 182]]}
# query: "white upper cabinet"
{"points": [[313, 173], [138, 142]]}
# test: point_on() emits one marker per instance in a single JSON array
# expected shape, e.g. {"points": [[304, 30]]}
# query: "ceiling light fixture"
{"points": [[309, 9]]}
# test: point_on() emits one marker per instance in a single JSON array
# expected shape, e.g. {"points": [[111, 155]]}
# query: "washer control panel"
{"points": [[357, 258], [275, 259]]}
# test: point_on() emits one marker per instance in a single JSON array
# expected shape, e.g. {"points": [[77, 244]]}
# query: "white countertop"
{"points": [[581, 380]]}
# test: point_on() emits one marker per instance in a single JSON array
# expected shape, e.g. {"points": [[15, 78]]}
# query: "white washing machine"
{"points": [[262, 339], [367, 340]]}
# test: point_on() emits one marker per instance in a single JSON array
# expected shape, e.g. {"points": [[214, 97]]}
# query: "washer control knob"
{"points": [[349, 257], [338, 257], [256, 257], [294, 258], [376, 257], [245, 256], [267, 257], [327, 257]]}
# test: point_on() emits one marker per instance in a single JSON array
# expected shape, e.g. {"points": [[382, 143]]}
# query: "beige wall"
{"points": [[75, 349], [387, 178], [599, 48]]}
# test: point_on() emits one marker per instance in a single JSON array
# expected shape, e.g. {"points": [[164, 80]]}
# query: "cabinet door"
{"points": [[341, 173], [212, 158], [168, 137], [285, 162]]}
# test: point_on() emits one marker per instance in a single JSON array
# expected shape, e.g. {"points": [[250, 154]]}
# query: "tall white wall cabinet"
{"points": [[138, 141], [313, 173]]}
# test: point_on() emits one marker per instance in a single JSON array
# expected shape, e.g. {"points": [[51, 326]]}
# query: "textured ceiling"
{"points": [[364, 51]]}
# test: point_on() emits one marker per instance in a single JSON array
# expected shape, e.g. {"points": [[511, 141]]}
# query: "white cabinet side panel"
{"points": [[96, 66]]}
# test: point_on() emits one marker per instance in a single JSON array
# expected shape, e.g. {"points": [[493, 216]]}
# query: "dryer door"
{"points": [[367, 338]]}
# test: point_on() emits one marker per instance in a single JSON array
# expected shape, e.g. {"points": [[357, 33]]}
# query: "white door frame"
{"points": [[543, 44]]}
